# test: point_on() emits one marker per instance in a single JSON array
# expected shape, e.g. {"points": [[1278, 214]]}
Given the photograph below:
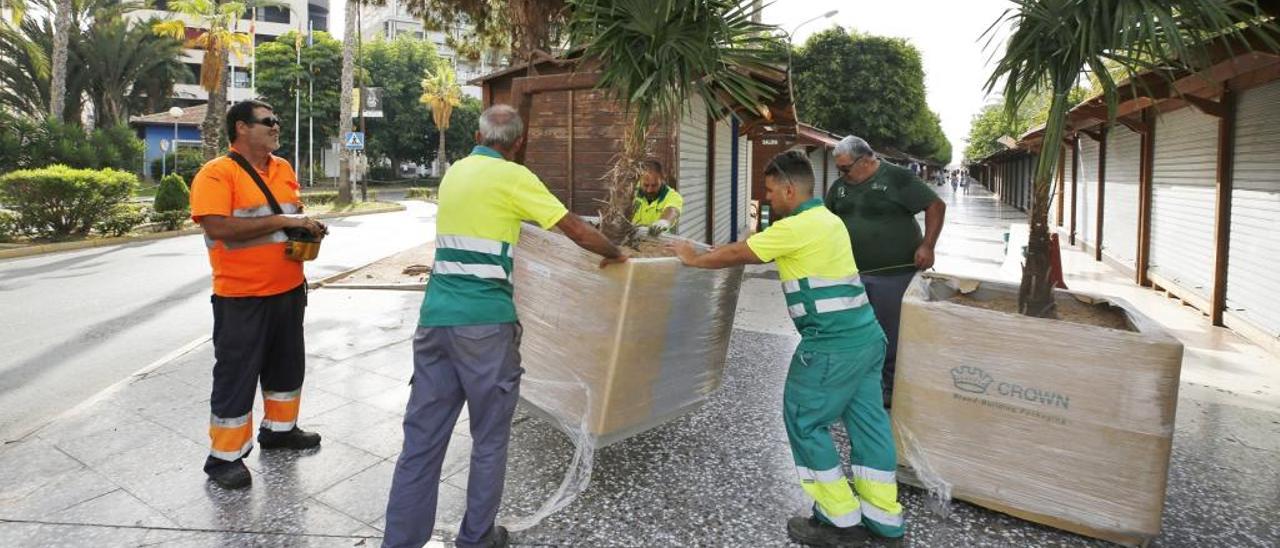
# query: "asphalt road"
{"points": [[74, 323]]}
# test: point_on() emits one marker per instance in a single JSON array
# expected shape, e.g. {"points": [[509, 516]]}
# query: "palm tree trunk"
{"points": [[1035, 296], [440, 159], [344, 107], [211, 129], [58, 78], [615, 218]]}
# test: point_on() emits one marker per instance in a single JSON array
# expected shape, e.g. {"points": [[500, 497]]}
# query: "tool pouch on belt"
{"points": [[301, 244]]}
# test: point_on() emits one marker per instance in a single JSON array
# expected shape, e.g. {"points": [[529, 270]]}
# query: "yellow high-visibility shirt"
{"points": [[648, 212], [483, 199], [825, 297]]}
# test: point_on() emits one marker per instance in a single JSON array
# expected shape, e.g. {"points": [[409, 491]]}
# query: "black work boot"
{"points": [[293, 439], [497, 537], [814, 532], [228, 475]]}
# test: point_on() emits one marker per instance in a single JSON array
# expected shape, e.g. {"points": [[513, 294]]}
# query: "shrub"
{"points": [[190, 160], [382, 173], [318, 198], [9, 227], [56, 143], [121, 219], [170, 220], [59, 201], [173, 194], [421, 193]]}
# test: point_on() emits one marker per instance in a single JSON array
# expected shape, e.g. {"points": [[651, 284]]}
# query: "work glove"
{"points": [[657, 228]]}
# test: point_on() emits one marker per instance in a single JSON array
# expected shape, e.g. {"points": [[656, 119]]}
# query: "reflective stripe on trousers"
{"points": [[230, 438], [831, 495], [280, 410]]}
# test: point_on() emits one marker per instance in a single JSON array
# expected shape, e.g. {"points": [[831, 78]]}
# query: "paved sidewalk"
{"points": [[124, 468]]}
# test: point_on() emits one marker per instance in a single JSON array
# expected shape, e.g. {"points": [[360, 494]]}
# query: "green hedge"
{"points": [[190, 160], [59, 201], [421, 193], [9, 228], [121, 219]]}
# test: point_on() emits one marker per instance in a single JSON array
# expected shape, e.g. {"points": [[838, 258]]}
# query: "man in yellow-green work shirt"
{"points": [[658, 206], [835, 371], [467, 346]]}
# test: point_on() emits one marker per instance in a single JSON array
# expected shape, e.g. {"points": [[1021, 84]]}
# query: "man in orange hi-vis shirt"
{"points": [[259, 294]]}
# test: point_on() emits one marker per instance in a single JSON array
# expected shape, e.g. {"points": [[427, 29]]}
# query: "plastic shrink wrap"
{"points": [[619, 350], [1061, 423]]}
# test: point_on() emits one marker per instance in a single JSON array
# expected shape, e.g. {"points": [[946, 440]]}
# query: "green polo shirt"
{"points": [[649, 211], [825, 297], [483, 199], [879, 214]]}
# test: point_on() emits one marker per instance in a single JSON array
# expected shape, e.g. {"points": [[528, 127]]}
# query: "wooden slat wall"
{"points": [[574, 160]]}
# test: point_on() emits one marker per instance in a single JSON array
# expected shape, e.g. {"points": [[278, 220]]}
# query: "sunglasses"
{"points": [[270, 121], [847, 167]]}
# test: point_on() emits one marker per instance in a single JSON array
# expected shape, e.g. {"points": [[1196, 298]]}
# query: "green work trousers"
{"points": [[825, 387]]}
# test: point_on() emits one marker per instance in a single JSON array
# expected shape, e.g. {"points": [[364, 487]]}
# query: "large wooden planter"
{"points": [[619, 350], [1061, 423]]}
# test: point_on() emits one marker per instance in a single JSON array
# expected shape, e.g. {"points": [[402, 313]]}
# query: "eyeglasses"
{"points": [[846, 168], [270, 121]]}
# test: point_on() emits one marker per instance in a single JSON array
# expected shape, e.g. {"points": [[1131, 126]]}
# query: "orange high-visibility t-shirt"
{"points": [[257, 267]]}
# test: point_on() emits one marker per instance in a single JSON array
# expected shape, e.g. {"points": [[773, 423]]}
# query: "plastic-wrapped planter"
{"points": [[1058, 422], [644, 341]]}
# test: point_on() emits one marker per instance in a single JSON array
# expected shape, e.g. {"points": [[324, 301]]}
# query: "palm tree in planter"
{"points": [[656, 55], [1091, 400], [440, 92], [1054, 42]]}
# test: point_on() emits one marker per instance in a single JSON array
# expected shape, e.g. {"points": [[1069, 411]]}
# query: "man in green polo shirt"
{"points": [[657, 205], [835, 370], [466, 348], [878, 203]]}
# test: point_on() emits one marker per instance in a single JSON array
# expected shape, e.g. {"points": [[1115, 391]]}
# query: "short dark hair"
{"points": [[243, 112], [651, 165], [793, 168]]}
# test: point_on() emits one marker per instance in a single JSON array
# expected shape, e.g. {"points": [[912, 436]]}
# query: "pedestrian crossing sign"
{"points": [[355, 140]]}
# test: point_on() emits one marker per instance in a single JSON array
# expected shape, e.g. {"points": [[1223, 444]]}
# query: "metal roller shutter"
{"points": [[744, 184], [1120, 209], [1087, 193], [1255, 207], [693, 171], [723, 194], [1182, 200]]}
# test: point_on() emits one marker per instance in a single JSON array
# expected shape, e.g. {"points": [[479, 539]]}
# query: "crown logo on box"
{"points": [[971, 379]]}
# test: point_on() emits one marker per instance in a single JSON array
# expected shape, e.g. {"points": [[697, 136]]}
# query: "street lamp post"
{"points": [[826, 15], [175, 113]]}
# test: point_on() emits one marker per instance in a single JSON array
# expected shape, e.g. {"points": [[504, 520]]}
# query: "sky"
{"points": [[948, 34]]}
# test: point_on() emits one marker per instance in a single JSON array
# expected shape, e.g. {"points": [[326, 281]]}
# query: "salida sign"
{"points": [[976, 381]]}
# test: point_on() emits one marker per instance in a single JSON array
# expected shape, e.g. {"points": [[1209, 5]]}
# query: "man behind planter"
{"points": [[466, 348], [835, 370], [259, 294], [657, 204], [878, 203]]}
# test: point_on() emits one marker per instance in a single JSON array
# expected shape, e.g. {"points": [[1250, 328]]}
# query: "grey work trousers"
{"points": [[475, 364], [885, 293]]}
